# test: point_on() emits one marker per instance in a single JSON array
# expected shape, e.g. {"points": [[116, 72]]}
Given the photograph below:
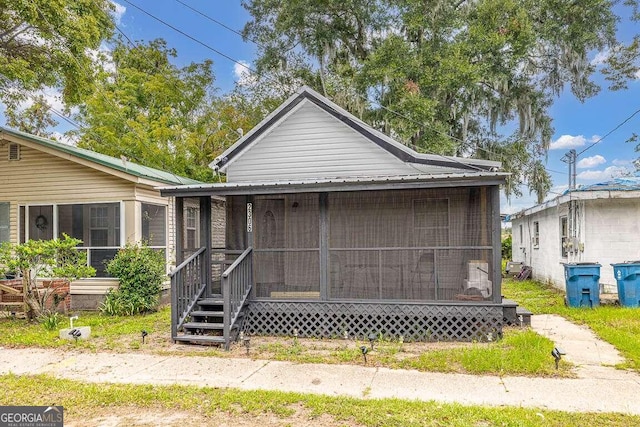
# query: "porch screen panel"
{"points": [[407, 244], [286, 246], [97, 225], [236, 218]]}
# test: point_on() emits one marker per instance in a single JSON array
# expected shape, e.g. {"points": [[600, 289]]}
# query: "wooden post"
{"points": [[324, 246], [179, 229], [205, 241], [496, 237]]}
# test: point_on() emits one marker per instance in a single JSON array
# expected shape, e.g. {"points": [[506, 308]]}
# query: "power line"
{"points": [[224, 55], [215, 21], [610, 132], [258, 74], [96, 86]]}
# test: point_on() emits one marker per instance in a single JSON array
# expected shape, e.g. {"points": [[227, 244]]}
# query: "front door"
{"points": [[269, 234]]}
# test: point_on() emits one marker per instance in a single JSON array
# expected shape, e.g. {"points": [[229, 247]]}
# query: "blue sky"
{"points": [[577, 125]]}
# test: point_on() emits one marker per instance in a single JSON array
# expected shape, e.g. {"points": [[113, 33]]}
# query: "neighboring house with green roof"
{"points": [[48, 188]]}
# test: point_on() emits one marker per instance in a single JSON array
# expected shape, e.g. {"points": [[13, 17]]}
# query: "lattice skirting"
{"points": [[412, 322]]}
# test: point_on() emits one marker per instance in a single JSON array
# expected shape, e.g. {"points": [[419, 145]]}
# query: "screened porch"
{"points": [[379, 245]]}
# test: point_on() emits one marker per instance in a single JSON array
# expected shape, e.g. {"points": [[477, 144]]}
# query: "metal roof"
{"points": [[621, 186], [339, 184], [104, 160], [628, 183]]}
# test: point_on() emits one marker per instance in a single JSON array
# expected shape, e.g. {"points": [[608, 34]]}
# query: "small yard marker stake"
{"points": [[144, 334], [75, 333], [247, 342], [364, 351], [372, 338], [557, 355]]}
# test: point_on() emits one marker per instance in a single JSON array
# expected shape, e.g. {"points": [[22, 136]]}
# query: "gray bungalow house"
{"points": [[334, 229]]}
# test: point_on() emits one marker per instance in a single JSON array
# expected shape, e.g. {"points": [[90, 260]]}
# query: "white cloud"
{"points": [[118, 12], [603, 175], [567, 141], [637, 74], [590, 162], [65, 139], [601, 57], [621, 162], [242, 72], [570, 141], [51, 95]]}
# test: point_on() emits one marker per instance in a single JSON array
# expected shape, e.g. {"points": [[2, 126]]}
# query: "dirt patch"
{"points": [[121, 417]]}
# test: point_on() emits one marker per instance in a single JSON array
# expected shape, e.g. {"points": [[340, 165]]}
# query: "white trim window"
{"points": [[536, 234], [192, 238], [97, 225], [564, 237], [5, 222]]}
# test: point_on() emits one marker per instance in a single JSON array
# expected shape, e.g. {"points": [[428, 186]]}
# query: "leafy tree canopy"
{"points": [[472, 78], [148, 110], [48, 44]]}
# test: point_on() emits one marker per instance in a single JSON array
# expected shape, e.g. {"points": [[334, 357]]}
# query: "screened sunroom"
{"points": [[388, 245]]}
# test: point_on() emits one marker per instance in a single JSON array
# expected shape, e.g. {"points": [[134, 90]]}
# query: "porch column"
{"points": [[179, 229], [205, 240], [324, 246], [496, 236]]}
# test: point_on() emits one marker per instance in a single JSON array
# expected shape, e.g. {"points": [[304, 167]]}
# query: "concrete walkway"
{"points": [[598, 389]]}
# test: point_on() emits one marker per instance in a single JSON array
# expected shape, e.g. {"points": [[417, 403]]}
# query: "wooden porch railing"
{"points": [[236, 285], [187, 285]]}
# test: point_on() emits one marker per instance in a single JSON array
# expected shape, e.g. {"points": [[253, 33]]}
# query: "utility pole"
{"points": [[570, 158]]}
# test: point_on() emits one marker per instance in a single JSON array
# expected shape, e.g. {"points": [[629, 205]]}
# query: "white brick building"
{"points": [[596, 223]]}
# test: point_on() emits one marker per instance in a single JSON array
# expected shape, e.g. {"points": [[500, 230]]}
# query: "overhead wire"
{"points": [[500, 156], [610, 132], [250, 69], [99, 90]]}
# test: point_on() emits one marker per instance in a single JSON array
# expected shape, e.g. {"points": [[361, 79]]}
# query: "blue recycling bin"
{"points": [[627, 275], [582, 282]]}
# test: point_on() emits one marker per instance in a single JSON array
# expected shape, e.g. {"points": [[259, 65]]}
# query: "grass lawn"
{"points": [[94, 404], [617, 325], [520, 352]]}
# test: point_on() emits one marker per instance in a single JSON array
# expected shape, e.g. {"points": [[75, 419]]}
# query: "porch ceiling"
{"points": [[338, 184]]}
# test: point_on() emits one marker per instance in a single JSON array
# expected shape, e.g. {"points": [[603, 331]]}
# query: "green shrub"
{"points": [[506, 247], [141, 271], [50, 321]]}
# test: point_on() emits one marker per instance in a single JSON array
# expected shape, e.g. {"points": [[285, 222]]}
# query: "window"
{"points": [[564, 237], [431, 221], [5, 230], [192, 238], [536, 234], [97, 225], [521, 229], [154, 225], [99, 228]]}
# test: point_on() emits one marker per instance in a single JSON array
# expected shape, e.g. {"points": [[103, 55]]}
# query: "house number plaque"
{"points": [[249, 217]]}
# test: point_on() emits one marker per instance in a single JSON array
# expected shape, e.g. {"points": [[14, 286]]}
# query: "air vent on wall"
{"points": [[14, 152]]}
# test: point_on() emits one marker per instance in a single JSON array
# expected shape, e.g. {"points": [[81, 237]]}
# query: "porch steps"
{"points": [[207, 323], [202, 313], [200, 339], [204, 325], [210, 301]]}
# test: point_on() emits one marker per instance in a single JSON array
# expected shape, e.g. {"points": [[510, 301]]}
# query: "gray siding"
{"points": [[311, 143]]}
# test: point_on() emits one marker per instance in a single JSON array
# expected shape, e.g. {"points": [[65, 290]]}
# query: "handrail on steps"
{"points": [[237, 281], [186, 261], [187, 285]]}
